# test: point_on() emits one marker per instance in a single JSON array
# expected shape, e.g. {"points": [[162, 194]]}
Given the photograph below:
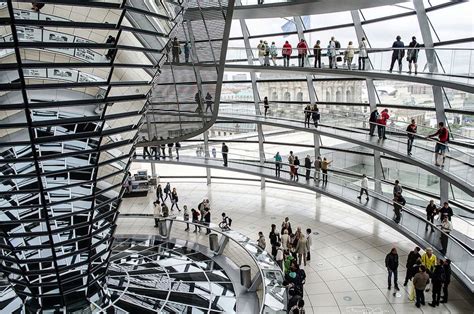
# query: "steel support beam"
{"points": [[256, 95], [378, 169], [433, 68]]}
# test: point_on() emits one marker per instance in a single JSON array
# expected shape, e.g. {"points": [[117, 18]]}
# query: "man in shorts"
{"points": [[441, 145]]}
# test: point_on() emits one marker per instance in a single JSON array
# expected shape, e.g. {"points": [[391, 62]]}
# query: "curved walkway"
{"points": [[249, 9], [458, 168], [442, 80], [411, 225]]}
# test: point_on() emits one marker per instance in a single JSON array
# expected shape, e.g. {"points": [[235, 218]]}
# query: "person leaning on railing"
{"points": [[411, 131], [442, 144]]}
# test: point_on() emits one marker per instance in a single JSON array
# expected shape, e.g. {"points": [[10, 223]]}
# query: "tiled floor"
{"points": [[346, 273]]}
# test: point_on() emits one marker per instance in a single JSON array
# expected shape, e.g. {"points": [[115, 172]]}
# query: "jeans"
{"points": [[362, 61], [410, 144], [372, 128], [420, 297], [286, 60], [445, 291], [261, 59], [175, 58], [224, 156], [308, 172], [381, 131], [317, 174], [436, 295], [301, 60], [429, 218], [277, 169], [395, 277], [444, 242], [395, 58], [362, 191], [317, 61], [307, 118], [325, 176]]}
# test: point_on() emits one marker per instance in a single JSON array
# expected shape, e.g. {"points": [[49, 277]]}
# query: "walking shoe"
{"points": [[432, 304], [397, 288], [358, 197]]}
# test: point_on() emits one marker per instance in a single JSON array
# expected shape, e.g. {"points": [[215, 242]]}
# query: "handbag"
{"points": [[339, 59]]}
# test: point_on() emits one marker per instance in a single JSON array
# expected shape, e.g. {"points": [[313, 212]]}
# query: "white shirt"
{"points": [[446, 226], [364, 183]]}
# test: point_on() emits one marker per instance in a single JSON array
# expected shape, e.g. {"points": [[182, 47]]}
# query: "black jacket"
{"points": [[443, 211], [225, 149], [374, 116], [391, 261], [307, 163], [447, 273], [438, 275], [412, 258]]}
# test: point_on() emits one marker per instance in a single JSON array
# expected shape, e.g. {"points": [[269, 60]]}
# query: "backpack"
{"points": [[229, 221]]}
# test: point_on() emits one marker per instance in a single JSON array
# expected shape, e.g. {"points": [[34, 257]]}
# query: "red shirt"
{"points": [[383, 118], [287, 49], [302, 48], [443, 134]]}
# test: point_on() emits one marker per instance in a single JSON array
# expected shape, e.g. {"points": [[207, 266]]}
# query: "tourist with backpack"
{"points": [[397, 54], [273, 53], [316, 116], [317, 54], [266, 55], [412, 54], [331, 53], [261, 52]]}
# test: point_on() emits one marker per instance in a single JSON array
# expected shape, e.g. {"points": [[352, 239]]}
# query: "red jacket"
{"points": [[383, 118], [287, 49], [302, 48]]}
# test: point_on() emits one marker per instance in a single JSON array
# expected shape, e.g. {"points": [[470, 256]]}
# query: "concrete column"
{"points": [[433, 68]]}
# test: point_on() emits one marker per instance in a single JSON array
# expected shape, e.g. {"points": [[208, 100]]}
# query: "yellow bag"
{"points": [[411, 296]]}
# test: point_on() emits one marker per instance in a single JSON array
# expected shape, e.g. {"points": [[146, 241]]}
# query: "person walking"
{"points": [[412, 54], [265, 105], [324, 167], [273, 53], [208, 102], [397, 188], [420, 281], [316, 116], [363, 53], [261, 241], [167, 191], [174, 199], [397, 54], [309, 243], [159, 194], [301, 249], [413, 256], [274, 237], [291, 164], [307, 165], [447, 280], [364, 185], [302, 52], [187, 50], [175, 50], [177, 147], [391, 262], [286, 52], [278, 162], [437, 280], [411, 131], [446, 228], [317, 54], [307, 115], [349, 55], [261, 52], [374, 116], [297, 167], [382, 124], [317, 169], [398, 203], [441, 145], [332, 53], [431, 211], [225, 152]]}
